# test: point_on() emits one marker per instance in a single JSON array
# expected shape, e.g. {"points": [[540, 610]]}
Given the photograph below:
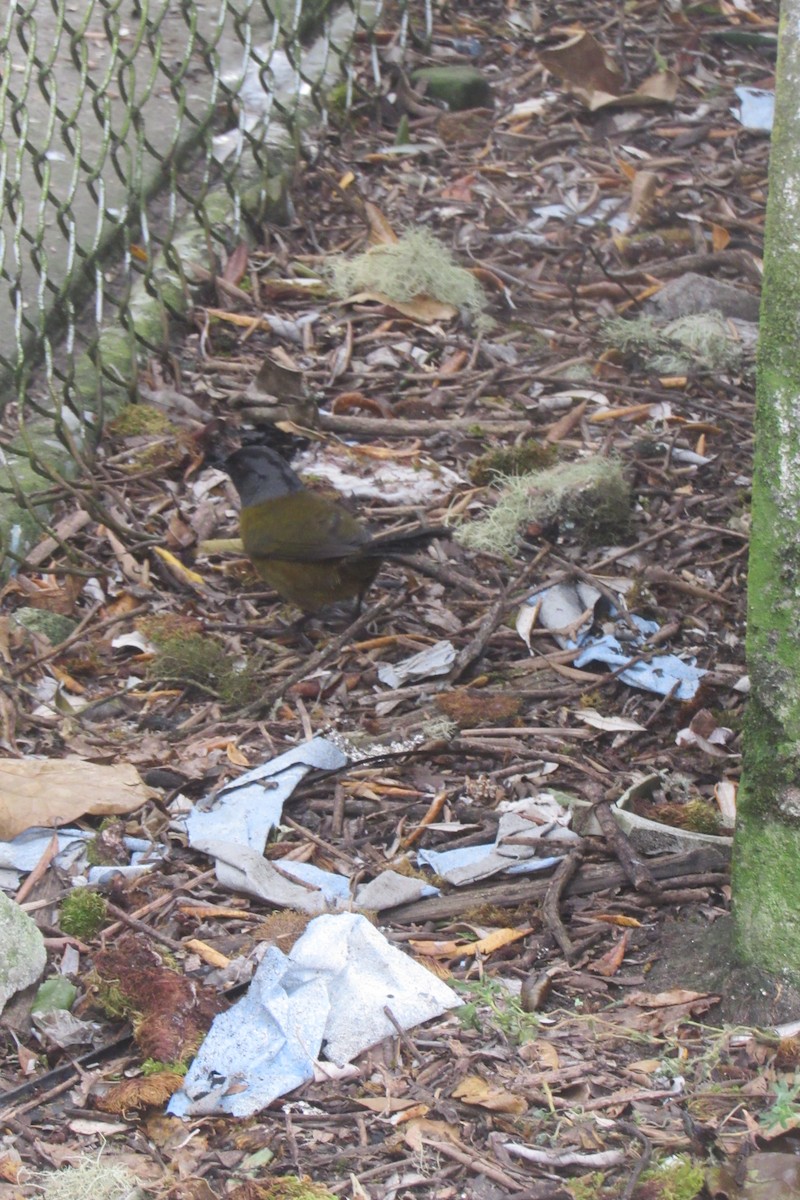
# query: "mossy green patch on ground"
{"points": [[83, 914], [199, 661]]}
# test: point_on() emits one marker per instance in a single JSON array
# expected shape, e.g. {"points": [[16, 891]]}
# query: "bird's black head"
{"points": [[260, 474]]}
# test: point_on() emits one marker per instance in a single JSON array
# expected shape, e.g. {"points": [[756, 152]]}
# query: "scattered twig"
{"points": [[632, 1130], [479, 1166], [556, 1160], [589, 879], [565, 871], [476, 647], [402, 1036], [143, 927], [77, 634], [635, 870]]}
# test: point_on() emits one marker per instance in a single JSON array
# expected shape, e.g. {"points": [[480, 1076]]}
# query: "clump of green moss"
{"points": [[109, 997], [294, 1187], [698, 816], [152, 1066], [83, 914], [702, 818], [199, 661], [340, 100], [588, 1187], [602, 511], [528, 456], [164, 454], [136, 420], [415, 265], [676, 1178], [158, 628], [55, 627]]}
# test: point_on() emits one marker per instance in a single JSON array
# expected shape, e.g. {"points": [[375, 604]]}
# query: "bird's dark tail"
{"points": [[384, 545]]}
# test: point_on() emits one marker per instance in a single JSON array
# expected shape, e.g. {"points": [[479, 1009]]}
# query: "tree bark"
{"points": [[766, 859]]}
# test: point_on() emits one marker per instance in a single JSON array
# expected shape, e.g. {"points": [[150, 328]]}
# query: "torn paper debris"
{"points": [[518, 849], [755, 109], [571, 610], [433, 660], [326, 998], [22, 853], [235, 826], [246, 810]]}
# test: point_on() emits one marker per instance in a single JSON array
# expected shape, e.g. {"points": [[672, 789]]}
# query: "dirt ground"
{"points": [[590, 1055]]}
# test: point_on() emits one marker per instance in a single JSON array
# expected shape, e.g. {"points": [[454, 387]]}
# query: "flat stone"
{"points": [[22, 953], [692, 293]]}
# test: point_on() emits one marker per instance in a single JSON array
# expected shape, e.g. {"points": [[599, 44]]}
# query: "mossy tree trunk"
{"points": [[766, 864]]}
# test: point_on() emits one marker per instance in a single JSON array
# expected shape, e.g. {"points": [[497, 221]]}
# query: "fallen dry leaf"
{"points": [[417, 1133], [611, 961], [474, 1090], [56, 791], [422, 309]]}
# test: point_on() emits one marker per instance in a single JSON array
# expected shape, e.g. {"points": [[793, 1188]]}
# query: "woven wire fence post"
{"points": [[137, 137]]}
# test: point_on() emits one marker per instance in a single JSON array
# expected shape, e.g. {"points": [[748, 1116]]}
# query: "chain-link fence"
{"points": [[135, 136]]}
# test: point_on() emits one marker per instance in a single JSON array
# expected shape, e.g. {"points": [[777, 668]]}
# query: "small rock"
{"points": [[22, 952], [693, 293]]}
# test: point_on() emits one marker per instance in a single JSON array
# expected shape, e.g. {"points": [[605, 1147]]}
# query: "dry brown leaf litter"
{"points": [[598, 1070]]}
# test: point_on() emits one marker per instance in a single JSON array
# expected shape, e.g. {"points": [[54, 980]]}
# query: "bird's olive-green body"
{"points": [[311, 550]]}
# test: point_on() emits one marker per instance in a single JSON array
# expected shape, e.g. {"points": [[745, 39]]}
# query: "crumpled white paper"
{"points": [[433, 660], [21, 855], [327, 997], [564, 606], [234, 829], [246, 810], [469, 864]]}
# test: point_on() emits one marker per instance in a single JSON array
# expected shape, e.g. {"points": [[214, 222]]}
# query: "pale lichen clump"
{"points": [[415, 265], [592, 499], [102, 1180]]}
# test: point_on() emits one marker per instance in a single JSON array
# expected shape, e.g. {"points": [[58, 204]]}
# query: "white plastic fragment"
{"points": [[389, 889], [756, 108], [327, 998], [133, 640], [661, 674], [61, 1028], [527, 617], [433, 660], [568, 610], [468, 864], [24, 851], [611, 724], [419, 483], [235, 828], [246, 810], [725, 796]]}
